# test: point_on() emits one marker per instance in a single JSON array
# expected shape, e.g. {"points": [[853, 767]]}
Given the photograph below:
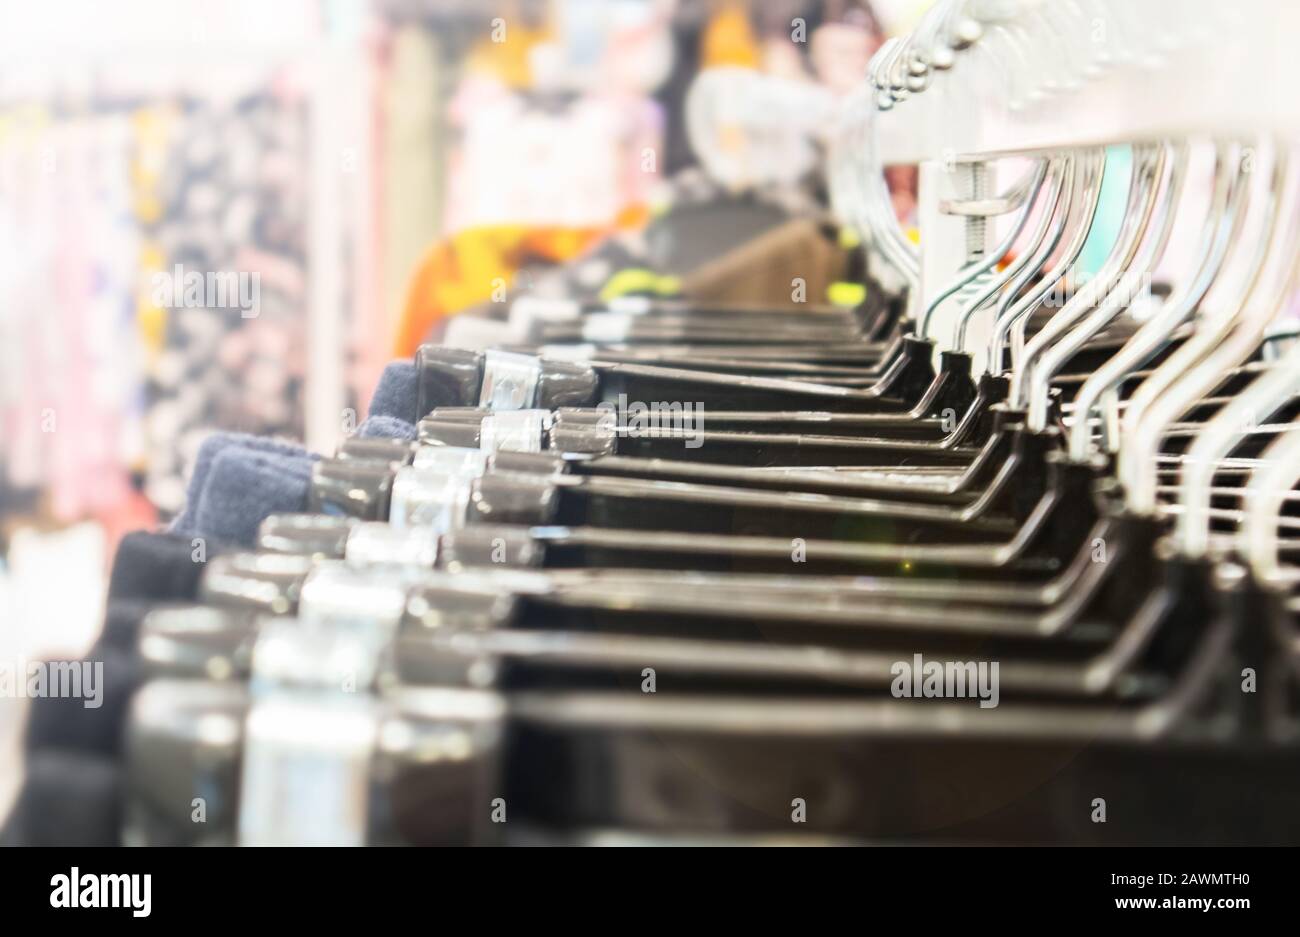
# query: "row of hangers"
{"points": [[546, 615]]}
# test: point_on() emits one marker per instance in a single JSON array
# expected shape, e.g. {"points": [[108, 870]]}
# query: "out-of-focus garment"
{"points": [[67, 281], [533, 181], [537, 161], [476, 266], [729, 39], [234, 191]]}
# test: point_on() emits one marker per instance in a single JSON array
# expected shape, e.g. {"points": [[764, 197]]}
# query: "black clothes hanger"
{"points": [[450, 377]]}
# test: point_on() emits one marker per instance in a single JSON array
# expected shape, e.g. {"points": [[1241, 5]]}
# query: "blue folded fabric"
{"points": [[213, 446], [396, 394], [387, 427], [244, 487]]}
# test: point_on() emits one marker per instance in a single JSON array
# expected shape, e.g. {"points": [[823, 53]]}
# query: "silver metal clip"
{"points": [[509, 380]]}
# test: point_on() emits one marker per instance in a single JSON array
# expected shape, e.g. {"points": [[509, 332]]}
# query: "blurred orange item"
{"points": [[478, 263], [505, 54], [729, 39]]}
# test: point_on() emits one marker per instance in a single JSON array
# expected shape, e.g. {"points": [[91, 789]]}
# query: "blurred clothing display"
{"points": [[504, 147], [234, 188], [540, 172], [537, 169], [69, 360]]}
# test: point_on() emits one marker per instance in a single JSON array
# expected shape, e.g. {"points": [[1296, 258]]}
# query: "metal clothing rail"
{"points": [[1042, 75], [981, 80]]}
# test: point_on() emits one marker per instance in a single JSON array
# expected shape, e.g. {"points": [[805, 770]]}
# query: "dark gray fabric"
{"points": [[67, 799], [160, 567]]}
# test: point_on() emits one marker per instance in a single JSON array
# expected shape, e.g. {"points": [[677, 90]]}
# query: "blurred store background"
{"points": [[231, 215]]}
